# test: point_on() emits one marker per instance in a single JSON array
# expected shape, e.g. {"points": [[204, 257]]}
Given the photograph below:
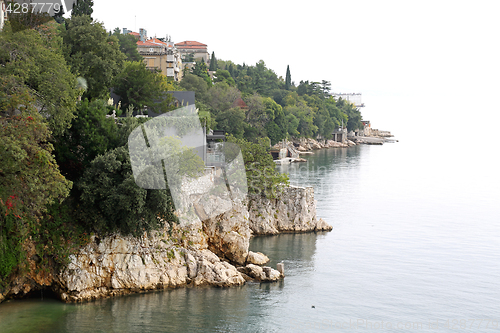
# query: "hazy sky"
{"points": [[417, 63]]}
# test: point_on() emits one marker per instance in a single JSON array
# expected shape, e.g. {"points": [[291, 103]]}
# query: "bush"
{"points": [[262, 176], [112, 202]]}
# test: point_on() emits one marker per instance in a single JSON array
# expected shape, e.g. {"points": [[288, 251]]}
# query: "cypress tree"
{"points": [[213, 63], [288, 78]]}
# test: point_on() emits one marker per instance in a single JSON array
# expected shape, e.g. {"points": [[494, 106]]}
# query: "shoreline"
{"points": [[213, 252], [293, 150]]}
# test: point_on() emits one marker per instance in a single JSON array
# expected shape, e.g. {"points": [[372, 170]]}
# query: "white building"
{"points": [[159, 54]]}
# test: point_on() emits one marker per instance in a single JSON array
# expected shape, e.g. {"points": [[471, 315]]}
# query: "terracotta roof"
{"points": [[157, 41], [189, 44], [152, 42], [134, 34], [147, 43], [240, 103]]}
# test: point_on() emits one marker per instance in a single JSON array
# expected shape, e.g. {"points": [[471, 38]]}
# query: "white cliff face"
{"points": [[293, 211]]}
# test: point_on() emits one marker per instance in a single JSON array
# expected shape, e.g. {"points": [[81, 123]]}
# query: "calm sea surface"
{"points": [[415, 247]]}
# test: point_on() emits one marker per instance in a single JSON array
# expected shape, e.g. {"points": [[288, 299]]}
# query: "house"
{"points": [[3, 14], [161, 55], [197, 50], [158, 54]]}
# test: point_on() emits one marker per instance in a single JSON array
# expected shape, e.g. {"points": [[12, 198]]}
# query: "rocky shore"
{"points": [[212, 251], [306, 145], [293, 149]]}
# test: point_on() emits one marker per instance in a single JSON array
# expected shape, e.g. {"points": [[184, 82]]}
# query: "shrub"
{"points": [[112, 202]]}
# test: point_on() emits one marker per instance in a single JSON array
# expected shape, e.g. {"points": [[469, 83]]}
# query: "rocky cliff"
{"points": [[293, 211], [209, 252]]}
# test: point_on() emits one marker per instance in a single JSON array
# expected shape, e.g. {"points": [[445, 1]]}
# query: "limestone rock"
{"points": [[257, 258], [229, 234], [323, 226], [120, 265], [260, 273], [293, 211]]}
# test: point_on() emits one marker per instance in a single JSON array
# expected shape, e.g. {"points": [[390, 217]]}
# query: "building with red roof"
{"points": [[197, 49], [158, 54]]}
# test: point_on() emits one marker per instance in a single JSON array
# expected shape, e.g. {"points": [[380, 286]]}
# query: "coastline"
{"points": [[210, 252], [291, 151]]}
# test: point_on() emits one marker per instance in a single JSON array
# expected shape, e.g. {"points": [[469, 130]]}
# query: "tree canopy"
{"points": [[128, 46], [139, 87], [93, 54], [32, 60], [83, 7]]}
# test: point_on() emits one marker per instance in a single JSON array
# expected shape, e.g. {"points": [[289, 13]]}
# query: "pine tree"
{"points": [[82, 7], [288, 78], [213, 63]]}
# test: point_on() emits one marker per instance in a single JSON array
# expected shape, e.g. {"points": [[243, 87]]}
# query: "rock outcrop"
{"points": [[213, 252], [293, 211], [257, 258], [119, 265]]}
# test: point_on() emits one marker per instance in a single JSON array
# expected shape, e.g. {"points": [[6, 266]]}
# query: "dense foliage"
{"points": [[93, 54], [262, 176], [140, 87], [272, 107], [112, 202]]}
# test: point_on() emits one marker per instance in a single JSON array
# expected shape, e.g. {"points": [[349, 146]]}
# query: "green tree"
{"points": [[19, 20], [293, 124], [139, 87], [213, 63], [222, 97], [262, 176], [231, 121], [29, 176], [33, 59], [288, 78], [200, 69], [128, 46], [83, 7], [276, 127], [92, 54], [326, 87], [90, 134], [58, 16], [112, 202], [221, 75], [192, 82]]}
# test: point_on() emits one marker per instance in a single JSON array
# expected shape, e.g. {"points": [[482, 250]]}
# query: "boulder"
{"points": [[257, 258]]}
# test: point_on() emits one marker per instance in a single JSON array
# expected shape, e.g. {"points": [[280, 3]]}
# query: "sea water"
{"points": [[415, 247]]}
